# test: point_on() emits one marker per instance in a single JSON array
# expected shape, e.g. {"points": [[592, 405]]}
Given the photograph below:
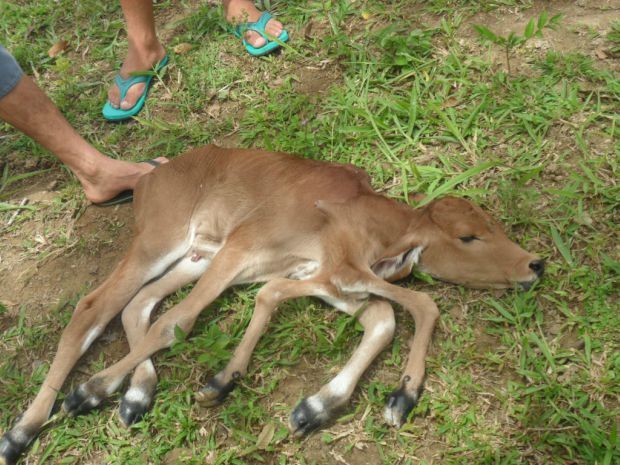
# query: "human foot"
{"points": [[139, 59], [244, 11], [111, 177]]}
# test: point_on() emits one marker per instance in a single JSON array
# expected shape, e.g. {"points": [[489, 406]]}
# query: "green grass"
{"points": [[404, 90]]}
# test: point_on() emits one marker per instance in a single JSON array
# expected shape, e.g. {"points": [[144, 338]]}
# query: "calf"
{"points": [[306, 228]]}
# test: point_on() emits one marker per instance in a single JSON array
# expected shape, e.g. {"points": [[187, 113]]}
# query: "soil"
{"points": [[582, 29]]}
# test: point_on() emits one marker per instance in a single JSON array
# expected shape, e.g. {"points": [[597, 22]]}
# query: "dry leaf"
{"points": [[600, 54], [183, 48], [450, 102], [58, 48], [265, 436]]}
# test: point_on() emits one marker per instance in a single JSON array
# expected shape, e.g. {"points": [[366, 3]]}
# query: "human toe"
{"points": [[274, 28], [254, 39], [114, 96], [132, 96]]}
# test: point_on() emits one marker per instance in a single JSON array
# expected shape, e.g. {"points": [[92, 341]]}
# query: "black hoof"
{"points": [[132, 411], [80, 402], [11, 447], [398, 406], [307, 416], [215, 392]]}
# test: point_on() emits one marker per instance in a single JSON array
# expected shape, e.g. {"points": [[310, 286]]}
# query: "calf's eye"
{"points": [[468, 239]]}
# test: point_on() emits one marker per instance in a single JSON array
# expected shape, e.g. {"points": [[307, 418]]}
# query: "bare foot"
{"points": [[243, 11], [142, 58], [110, 177]]}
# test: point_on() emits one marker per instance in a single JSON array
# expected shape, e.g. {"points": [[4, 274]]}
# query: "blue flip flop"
{"points": [[117, 114], [259, 26], [126, 195]]}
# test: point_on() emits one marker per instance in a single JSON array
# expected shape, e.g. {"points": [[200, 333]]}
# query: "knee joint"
{"points": [[267, 297], [384, 321]]}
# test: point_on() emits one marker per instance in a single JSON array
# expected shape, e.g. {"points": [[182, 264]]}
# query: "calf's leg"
{"points": [[314, 411], [137, 320], [268, 298], [161, 334], [425, 314], [89, 319]]}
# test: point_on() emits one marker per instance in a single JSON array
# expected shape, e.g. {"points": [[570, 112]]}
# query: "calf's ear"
{"points": [[398, 259]]}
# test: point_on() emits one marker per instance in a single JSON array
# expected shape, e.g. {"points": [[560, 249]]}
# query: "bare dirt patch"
{"points": [[312, 80], [583, 28], [41, 268]]}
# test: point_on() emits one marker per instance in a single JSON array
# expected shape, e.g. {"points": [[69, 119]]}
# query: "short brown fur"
{"points": [[307, 228]]}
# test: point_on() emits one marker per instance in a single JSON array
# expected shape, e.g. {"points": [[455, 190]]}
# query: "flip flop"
{"points": [[127, 195], [117, 114], [259, 26]]}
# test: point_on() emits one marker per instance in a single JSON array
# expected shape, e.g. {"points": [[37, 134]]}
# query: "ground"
{"points": [[410, 92]]}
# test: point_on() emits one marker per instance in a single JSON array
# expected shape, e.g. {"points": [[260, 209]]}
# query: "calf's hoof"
{"points": [[11, 447], [215, 392], [80, 401], [398, 406], [309, 415], [134, 405]]}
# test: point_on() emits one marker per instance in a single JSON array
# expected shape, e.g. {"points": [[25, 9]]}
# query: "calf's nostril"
{"points": [[538, 267]]}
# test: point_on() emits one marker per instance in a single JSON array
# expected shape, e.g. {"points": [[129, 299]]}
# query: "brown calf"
{"points": [[306, 228]]}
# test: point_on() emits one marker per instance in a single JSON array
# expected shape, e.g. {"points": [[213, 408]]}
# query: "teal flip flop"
{"points": [[259, 26], [117, 114], [127, 195]]}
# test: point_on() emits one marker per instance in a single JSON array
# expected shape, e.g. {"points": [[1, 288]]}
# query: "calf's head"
{"points": [[454, 240]]}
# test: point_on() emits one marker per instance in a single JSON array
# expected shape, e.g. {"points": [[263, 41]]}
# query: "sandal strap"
{"points": [[263, 20], [125, 84], [258, 26]]}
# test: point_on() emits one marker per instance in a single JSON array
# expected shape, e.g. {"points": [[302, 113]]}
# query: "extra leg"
{"points": [[89, 319], [267, 300], [136, 321], [314, 411]]}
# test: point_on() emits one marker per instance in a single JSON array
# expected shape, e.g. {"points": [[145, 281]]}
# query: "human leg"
{"points": [[243, 11], [143, 53], [28, 109]]}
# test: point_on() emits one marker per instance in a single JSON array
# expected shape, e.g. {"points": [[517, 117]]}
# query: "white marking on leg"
{"points": [[386, 326], [149, 367], [148, 308], [346, 306], [18, 435], [113, 385], [342, 384], [316, 404], [163, 263], [90, 338], [135, 394]]}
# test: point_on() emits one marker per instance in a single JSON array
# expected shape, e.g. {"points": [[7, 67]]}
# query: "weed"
{"points": [[613, 36], [534, 28]]}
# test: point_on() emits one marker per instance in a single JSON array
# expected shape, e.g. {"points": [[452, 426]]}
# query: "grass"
{"points": [[404, 90]]}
